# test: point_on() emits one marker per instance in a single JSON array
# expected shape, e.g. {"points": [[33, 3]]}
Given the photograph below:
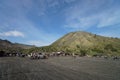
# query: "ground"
{"points": [[59, 68]]}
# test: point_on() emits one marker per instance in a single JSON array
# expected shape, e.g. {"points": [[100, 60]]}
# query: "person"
{"points": [[73, 54]]}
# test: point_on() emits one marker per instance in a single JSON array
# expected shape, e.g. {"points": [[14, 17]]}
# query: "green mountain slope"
{"points": [[79, 42], [82, 43]]}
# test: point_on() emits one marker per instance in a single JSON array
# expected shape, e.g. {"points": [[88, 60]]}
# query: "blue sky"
{"points": [[41, 22]]}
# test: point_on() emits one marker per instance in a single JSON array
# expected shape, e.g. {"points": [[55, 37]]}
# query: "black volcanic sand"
{"points": [[59, 68]]}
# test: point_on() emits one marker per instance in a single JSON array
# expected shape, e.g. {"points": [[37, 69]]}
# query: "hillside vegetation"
{"points": [[84, 43], [9, 47], [81, 43]]}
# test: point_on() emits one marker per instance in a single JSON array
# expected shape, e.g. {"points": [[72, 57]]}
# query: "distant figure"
{"points": [[115, 58], [105, 57], [2, 53], [73, 54], [29, 55]]}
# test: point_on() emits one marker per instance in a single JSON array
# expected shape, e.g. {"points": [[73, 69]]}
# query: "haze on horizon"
{"points": [[41, 22]]}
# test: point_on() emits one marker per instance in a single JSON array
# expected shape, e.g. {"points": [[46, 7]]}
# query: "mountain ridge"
{"points": [[7, 44], [90, 43], [79, 42]]}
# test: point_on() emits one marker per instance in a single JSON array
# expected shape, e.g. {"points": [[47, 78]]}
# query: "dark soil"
{"points": [[59, 68]]}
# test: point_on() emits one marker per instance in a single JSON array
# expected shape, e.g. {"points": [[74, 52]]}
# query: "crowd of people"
{"points": [[38, 55]]}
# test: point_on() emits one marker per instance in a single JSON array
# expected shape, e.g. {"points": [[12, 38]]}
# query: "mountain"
{"points": [[80, 41], [24, 46], [8, 46], [5, 43]]}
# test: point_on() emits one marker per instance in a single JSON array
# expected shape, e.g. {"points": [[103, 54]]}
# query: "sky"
{"points": [[41, 22]]}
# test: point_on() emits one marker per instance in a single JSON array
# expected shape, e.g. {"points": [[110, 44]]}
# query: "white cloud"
{"points": [[109, 34], [109, 18], [38, 43], [69, 1], [13, 34], [82, 23], [52, 3], [92, 14]]}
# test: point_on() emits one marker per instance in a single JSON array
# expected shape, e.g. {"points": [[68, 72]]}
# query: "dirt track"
{"points": [[59, 68]]}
